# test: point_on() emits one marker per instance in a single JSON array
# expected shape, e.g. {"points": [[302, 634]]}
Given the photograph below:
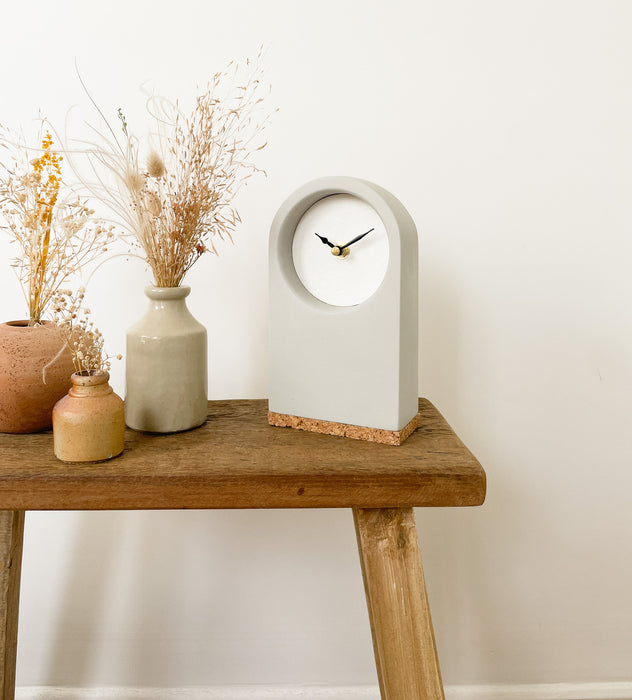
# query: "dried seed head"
{"points": [[155, 165], [153, 204], [135, 181]]}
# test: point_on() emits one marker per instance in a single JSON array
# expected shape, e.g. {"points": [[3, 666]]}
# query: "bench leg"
{"points": [[403, 639], [11, 536]]}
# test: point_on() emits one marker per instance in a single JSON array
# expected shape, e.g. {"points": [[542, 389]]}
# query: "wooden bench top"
{"points": [[237, 460]]}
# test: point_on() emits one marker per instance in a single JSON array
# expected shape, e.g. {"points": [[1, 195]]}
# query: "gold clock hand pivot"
{"points": [[340, 251]]}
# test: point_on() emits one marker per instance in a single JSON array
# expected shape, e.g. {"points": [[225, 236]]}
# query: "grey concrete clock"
{"points": [[343, 312]]}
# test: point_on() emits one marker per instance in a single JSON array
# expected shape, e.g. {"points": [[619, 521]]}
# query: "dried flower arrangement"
{"points": [[52, 227], [176, 195], [82, 337]]}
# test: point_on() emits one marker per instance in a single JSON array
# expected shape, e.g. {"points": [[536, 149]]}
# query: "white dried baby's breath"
{"points": [[84, 340]]}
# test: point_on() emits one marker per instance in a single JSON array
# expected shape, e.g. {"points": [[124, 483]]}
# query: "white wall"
{"points": [[506, 129]]}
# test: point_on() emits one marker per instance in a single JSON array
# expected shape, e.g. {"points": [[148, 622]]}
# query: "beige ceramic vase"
{"points": [[89, 423], [166, 380], [35, 369]]}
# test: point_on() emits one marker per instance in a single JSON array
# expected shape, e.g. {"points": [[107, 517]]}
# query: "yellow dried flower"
{"points": [[53, 231]]}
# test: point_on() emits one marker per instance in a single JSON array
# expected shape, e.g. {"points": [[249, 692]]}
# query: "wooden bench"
{"points": [[237, 460]]}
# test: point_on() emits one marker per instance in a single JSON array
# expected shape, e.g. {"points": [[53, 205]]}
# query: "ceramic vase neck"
{"points": [[22, 326], [169, 299], [90, 384], [167, 293]]}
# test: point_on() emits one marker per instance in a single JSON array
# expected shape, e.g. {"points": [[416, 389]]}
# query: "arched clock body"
{"points": [[343, 311]]}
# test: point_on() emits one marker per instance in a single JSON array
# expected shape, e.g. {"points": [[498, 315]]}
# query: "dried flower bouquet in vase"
{"points": [[54, 236], [89, 422], [175, 197]]}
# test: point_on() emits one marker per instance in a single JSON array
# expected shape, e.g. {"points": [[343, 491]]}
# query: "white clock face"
{"points": [[340, 250]]}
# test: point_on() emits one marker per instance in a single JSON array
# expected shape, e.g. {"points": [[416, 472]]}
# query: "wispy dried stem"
{"points": [[175, 197]]}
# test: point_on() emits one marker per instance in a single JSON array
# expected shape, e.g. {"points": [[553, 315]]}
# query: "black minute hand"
{"points": [[324, 240], [356, 239]]}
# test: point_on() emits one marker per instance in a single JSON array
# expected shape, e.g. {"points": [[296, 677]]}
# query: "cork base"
{"points": [[357, 432]]}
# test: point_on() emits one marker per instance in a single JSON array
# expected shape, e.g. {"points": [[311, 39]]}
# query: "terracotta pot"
{"points": [[34, 375], [166, 361], [89, 423]]}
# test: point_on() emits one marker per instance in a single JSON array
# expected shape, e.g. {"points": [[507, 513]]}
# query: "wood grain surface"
{"points": [[237, 460], [403, 638], [11, 536]]}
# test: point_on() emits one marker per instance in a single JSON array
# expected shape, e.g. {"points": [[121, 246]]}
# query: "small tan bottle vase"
{"points": [[89, 422]]}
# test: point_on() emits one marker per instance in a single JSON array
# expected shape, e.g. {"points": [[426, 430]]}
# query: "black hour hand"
{"points": [[356, 239], [324, 240]]}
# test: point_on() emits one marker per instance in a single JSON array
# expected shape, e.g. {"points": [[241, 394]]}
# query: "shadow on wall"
{"points": [[210, 598], [83, 611], [463, 548], [465, 573]]}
